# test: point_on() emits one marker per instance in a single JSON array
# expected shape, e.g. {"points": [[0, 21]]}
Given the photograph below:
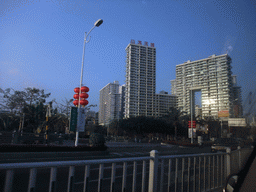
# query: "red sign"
{"points": [[223, 114], [152, 45], [139, 42], [194, 124], [132, 41], [146, 43]]}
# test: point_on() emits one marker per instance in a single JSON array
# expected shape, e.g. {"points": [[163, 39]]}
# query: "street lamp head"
{"points": [[98, 23]]}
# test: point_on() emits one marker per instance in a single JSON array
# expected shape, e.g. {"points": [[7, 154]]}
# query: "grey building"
{"points": [[111, 103], [140, 79]]}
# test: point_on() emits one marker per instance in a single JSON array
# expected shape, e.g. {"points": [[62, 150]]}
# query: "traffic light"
{"points": [[189, 124]]}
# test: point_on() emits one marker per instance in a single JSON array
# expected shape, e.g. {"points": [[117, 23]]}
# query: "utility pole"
{"points": [[48, 114]]}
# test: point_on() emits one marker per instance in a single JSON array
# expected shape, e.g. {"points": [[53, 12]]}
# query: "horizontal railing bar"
{"points": [[191, 155], [108, 178], [110, 167], [68, 163], [97, 161]]}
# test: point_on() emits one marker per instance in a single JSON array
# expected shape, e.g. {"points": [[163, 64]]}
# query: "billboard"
{"points": [[236, 122], [223, 113]]}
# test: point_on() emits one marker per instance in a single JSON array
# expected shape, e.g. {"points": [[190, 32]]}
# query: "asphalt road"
{"points": [[115, 150]]}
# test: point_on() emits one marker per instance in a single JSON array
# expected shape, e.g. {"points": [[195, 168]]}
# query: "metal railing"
{"points": [[196, 172]]}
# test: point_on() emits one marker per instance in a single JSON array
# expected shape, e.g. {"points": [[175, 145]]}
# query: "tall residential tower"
{"points": [[212, 77], [140, 79]]}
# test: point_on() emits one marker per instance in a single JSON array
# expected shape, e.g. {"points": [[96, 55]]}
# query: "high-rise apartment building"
{"points": [[111, 103], [211, 76], [140, 79]]}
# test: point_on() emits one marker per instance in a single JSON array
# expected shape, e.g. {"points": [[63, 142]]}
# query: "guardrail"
{"points": [[196, 172]]}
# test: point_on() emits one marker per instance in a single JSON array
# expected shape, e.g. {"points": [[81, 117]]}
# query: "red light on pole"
{"points": [[193, 122], [84, 102], [84, 95], [77, 90], [75, 102], [84, 89], [76, 96]]}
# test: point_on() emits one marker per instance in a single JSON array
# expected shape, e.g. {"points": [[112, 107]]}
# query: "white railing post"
{"points": [[228, 153], [101, 169], [134, 176], [71, 179], [153, 168], [32, 180], [8, 180], [162, 176], [52, 185], [143, 177], [124, 177], [113, 177], [86, 178]]}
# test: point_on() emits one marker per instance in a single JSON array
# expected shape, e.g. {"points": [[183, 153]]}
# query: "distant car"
{"points": [[221, 144]]}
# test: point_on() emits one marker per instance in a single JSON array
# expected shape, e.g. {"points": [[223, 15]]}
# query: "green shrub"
{"points": [[96, 140]]}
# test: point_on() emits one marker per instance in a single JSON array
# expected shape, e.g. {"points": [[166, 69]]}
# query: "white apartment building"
{"points": [[140, 79], [211, 76], [173, 87], [111, 103], [163, 103]]}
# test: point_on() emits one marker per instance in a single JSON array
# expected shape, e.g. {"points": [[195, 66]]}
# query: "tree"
{"points": [[8, 121], [18, 100], [177, 120], [143, 126], [27, 104], [113, 127], [65, 106]]}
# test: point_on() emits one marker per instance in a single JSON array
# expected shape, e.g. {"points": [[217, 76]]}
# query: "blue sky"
{"points": [[41, 42]]}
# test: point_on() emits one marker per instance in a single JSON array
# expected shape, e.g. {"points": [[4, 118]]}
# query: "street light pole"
{"points": [[96, 24]]}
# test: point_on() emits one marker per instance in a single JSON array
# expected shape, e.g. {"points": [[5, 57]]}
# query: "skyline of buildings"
{"points": [[211, 76], [140, 98]]}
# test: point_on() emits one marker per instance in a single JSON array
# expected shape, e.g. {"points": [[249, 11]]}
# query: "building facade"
{"points": [[212, 76], [237, 104], [140, 79], [111, 103], [163, 103], [173, 87]]}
